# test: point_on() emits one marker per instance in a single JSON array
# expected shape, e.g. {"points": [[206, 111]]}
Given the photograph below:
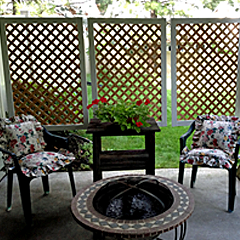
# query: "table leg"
{"points": [[150, 148], [97, 173], [183, 229]]}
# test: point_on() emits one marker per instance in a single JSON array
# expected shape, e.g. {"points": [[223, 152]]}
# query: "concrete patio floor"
{"points": [[53, 219]]}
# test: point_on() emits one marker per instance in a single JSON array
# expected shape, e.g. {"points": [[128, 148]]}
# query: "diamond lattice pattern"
{"points": [[45, 71], [128, 62], [207, 56]]}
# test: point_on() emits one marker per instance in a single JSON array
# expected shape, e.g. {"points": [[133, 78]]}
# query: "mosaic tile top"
{"points": [[88, 217]]}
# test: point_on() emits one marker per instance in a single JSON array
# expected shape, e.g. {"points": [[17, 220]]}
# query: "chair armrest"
{"points": [[81, 138], [186, 135], [54, 142], [76, 141], [13, 156]]}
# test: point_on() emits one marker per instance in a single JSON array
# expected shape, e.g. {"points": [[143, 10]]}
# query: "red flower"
{"points": [[23, 139], [209, 132], [103, 99], [202, 133], [50, 153], [190, 161], [29, 156], [89, 106], [139, 102], [135, 118], [215, 142], [96, 101], [147, 102], [13, 143], [139, 124], [32, 148]]}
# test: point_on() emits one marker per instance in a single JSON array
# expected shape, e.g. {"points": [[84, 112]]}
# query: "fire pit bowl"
{"points": [[133, 198], [133, 207]]}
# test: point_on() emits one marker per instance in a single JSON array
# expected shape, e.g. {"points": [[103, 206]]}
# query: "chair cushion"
{"points": [[23, 138], [21, 135], [42, 163], [216, 132], [209, 157]]}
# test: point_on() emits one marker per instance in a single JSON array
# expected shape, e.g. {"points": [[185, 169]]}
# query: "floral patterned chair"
{"points": [[31, 151], [215, 144]]}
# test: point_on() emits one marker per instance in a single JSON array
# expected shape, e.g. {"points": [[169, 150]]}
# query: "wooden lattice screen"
{"points": [[46, 70], [206, 62], [128, 58]]}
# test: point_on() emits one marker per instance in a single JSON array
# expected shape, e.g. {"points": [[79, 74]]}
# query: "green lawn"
{"points": [[167, 141]]}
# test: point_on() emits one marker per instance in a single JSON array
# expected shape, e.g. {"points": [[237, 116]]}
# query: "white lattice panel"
{"points": [[128, 59], [47, 70], [204, 67]]}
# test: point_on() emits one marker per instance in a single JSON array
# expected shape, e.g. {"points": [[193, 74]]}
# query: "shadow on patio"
{"points": [[53, 219]]}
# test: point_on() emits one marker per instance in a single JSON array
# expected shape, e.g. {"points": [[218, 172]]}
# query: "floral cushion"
{"points": [[209, 157], [214, 141], [23, 138], [41, 163], [21, 135], [218, 134]]}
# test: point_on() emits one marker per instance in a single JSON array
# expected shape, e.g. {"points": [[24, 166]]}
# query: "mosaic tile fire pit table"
{"points": [[133, 207]]}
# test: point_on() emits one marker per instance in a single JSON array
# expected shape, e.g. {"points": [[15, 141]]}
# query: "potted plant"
{"points": [[127, 114]]}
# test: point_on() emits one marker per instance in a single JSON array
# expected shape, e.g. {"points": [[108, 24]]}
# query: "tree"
{"points": [[38, 7], [160, 8], [212, 4], [103, 5], [163, 8]]}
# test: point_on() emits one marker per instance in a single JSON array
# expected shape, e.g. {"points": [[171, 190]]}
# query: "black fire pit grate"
{"points": [[133, 199]]}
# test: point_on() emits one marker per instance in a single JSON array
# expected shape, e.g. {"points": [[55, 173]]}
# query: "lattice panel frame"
{"points": [[128, 61], [204, 67], [47, 70]]}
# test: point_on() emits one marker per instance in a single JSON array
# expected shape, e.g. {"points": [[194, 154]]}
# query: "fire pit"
{"points": [[133, 207]]}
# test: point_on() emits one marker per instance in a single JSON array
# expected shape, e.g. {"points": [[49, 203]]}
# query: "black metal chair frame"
{"points": [[231, 172], [54, 142]]}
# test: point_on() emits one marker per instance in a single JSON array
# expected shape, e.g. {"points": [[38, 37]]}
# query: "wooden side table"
{"points": [[122, 159]]}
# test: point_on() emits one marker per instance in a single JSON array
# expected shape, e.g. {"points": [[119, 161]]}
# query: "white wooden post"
{"points": [[1, 166], [3, 102]]}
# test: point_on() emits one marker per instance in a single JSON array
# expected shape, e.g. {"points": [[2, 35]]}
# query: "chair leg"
{"points": [[70, 173], [9, 190], [24, 185], [194, 175], [232, 189], [181, 172], [45, 184]]}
